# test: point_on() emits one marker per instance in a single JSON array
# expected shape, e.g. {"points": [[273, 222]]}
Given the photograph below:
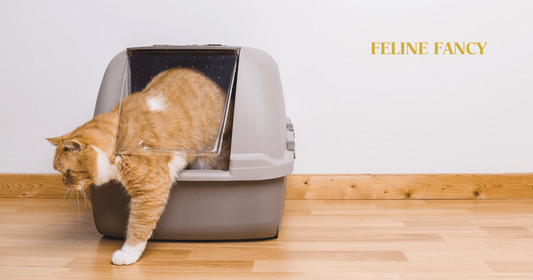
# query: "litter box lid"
{"points": [[262, 137]]}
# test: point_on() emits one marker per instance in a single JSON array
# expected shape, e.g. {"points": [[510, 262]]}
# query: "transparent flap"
{"points": [[143, 64]]}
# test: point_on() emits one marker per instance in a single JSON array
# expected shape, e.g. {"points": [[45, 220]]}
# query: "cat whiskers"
{"points": [[82, 209], [66, 191], [86, 202], [87, 206]]}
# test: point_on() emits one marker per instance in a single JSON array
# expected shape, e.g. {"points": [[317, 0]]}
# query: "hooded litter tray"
{"points": [[244, 202]]}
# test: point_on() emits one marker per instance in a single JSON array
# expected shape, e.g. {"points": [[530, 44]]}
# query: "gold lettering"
{"points": [[438, 46], [393, 48], [468, 48], [384, 47], [461, 50], [413, 49], [448, 48], [421, 47], [406, 48], [375, 45], [480, 47]]}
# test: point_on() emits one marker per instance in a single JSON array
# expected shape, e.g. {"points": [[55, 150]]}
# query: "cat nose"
{"points": [[66, 176]]}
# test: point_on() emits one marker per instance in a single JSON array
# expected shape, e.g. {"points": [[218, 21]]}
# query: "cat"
{"points": [[179, 107]]}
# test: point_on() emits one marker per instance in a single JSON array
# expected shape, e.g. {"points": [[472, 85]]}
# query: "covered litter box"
{"points": [[244, 202]]}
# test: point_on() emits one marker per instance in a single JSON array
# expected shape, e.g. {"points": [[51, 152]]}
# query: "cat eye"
{"points": [[66, 149]]}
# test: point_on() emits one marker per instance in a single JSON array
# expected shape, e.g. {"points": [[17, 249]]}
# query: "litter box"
{"points": [[244, 202]]}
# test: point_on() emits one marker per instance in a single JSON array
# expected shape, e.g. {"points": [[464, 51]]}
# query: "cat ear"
{"points": [[55, 141], [73, 144]]}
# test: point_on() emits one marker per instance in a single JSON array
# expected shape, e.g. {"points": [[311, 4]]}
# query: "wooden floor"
{"points": [[319, 239]]}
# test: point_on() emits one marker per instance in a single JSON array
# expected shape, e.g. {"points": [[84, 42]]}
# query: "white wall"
{"points": [[353, 112]]}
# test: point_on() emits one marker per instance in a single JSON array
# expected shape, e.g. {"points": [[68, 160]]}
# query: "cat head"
{"points": [[75, 160]]}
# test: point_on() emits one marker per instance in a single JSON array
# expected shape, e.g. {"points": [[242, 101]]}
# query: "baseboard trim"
{"points": [[412, 186], [333, 186]]}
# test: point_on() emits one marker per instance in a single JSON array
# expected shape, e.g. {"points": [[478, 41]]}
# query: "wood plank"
{"points": [[464, 276], [353, 276], [28, 272], [130, 274], [511, 266], [438, 223], [368, 267], [334, 186], [57, 262], [458, 244], [509, 232], [168, 265], [487, 255], [252, 254]]}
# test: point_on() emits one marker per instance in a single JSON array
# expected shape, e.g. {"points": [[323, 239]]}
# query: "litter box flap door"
{"points": [[175, 101]]}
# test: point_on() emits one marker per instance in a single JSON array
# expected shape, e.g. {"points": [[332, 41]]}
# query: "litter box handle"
{"points": [[291, 145]]}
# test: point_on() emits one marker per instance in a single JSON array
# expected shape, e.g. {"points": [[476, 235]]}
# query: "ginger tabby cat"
{"points": [[179, 107]]}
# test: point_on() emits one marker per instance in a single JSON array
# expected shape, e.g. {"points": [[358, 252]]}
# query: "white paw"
{"points": [[122, 258], [128, 254]]}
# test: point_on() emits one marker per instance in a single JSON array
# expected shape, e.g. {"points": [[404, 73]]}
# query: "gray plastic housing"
{"points": [[245, 202], [217, 210]]}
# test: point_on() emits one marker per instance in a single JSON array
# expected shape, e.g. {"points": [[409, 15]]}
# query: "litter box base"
{"points": [[200, 210]]}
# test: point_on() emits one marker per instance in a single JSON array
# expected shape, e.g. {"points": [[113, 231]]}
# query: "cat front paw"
{"points": [[122, 258], [129, 254]]}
